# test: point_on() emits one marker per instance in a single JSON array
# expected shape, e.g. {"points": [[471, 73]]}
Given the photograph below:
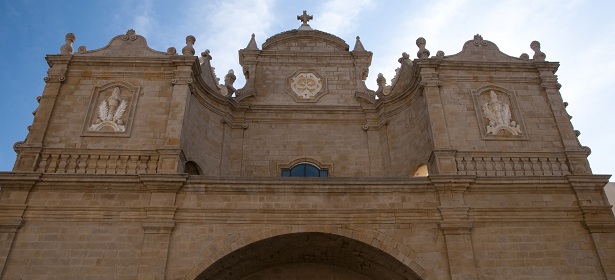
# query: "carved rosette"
{"points": [[498, 115], [306, 86]]}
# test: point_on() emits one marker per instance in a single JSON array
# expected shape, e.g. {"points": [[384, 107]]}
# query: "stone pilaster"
{"points": [[456, 226], [13, 196], [159, 223], [597, 217]]}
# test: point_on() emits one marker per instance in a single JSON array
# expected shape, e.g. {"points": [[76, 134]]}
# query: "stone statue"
{"points": [[499, 116], [229, 79], [110, 112]]}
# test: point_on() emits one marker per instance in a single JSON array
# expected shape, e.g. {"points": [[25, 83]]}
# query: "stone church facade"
{"points": [[142, 164]]}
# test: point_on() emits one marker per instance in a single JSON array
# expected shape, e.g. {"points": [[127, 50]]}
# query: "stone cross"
{"points": [[305, 18]]}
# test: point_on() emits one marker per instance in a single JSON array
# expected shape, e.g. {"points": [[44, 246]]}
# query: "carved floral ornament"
{"points": [[306, 85], [110, 113]]}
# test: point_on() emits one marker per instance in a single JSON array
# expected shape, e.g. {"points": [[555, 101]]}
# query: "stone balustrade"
{"points": [[526, 164], [98, 162]]}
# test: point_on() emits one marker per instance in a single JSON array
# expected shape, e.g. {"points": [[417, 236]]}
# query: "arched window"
{"points": [[304, 170]]}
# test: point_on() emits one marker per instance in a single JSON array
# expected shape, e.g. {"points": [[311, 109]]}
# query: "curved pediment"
{"points": [[129, 44], [481, 50], [305, 40]]}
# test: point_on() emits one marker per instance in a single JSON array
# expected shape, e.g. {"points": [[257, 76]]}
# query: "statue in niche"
{"points": [[110, 112], [499, 116]]}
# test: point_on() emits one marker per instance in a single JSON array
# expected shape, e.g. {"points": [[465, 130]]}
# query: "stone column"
{"points": [[597, 217], [159, 223], [455, 225], [15, 190]]}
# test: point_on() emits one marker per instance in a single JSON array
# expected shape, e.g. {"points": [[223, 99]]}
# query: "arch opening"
{"points": [[293, 254]]}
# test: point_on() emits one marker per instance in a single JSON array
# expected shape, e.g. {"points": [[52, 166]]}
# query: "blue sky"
{"points": [[578, 34]]}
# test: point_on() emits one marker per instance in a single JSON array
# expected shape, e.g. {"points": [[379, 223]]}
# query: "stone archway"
{"points": [[327, 256]]}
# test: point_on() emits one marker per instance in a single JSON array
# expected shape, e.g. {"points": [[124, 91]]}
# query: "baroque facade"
{"points": [[142, 164]]}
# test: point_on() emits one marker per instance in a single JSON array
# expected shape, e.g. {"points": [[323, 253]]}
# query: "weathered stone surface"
{"points": [[141, 164]]}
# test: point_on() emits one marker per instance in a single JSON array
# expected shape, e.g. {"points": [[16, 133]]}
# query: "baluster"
{"points": [[132, 165], [152, 164], [527, 167], [555, 167], [480, 167], [43, 164], [121, 165], [461, 169], [517, 166], [546, 168], [564, 166], [489, 168], [82, 164], [53, 163], [91, 167], [508, 167]]}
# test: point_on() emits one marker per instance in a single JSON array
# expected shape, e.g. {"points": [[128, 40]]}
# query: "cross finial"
{"points": [[304, 18]]}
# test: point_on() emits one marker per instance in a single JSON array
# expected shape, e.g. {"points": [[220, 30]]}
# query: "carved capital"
{"points": [[158, 227], [163, 183], [551, 85], [454, 213], [181, 80], [54, 79], [599, 227], [456, 228], [430, 83]]}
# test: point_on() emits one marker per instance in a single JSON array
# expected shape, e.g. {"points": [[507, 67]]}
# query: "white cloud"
{"points": [[340, 17], [224, 27]]}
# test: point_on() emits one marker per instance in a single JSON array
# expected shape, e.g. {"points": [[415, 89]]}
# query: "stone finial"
{"points": [[423, 52], [524, 56], [440, 54], [82, 49], [404, 56], [538, 55], [206, 55], [229, 79], [358, 46], [304, 18], [189, 48], [252, 44], [67, 48]]}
